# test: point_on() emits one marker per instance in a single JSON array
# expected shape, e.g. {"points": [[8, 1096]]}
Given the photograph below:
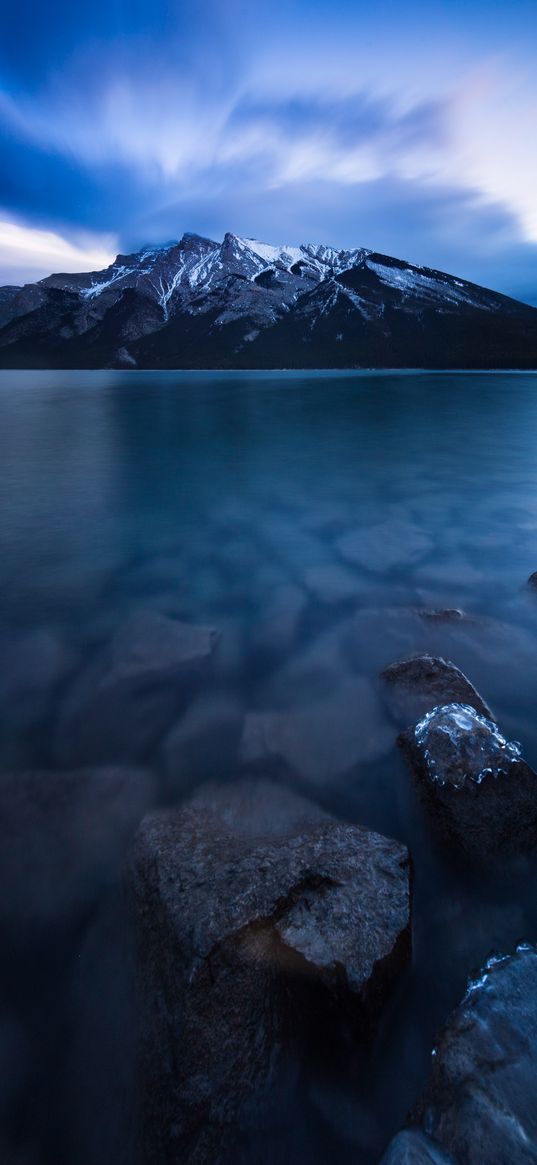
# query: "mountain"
{"points": [[246, 304]]}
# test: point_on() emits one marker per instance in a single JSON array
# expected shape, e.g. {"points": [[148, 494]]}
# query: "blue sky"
{"points": [[407, 127]]}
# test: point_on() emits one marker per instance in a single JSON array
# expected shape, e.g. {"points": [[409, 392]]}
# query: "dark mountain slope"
{"points": [[244, 304]]}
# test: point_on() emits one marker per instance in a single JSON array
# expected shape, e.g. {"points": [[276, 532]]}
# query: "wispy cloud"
{"points": [[31, 254], [301, 117]]}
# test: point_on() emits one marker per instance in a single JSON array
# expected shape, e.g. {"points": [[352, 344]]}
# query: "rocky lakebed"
{"points": [[268, 800]]}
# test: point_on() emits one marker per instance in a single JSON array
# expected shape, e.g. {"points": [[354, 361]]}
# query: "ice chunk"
{"points": [[457, 744]]}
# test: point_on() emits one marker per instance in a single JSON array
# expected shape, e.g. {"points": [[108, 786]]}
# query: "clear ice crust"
{"points": [[459, 745]]}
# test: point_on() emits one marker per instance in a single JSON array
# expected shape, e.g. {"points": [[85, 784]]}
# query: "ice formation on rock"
{"points": [[458, 744]]}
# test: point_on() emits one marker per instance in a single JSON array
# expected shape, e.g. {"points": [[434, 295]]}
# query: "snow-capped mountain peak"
{"points": [[269, 254], [199, 302]]}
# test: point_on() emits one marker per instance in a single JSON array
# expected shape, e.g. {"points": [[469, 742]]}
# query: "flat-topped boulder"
{"points": [[256, 912], [479, 1102], [130, 693], [414, 686]]}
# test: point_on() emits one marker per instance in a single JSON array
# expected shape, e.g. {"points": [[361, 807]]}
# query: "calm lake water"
{"points": [[309, 518]]}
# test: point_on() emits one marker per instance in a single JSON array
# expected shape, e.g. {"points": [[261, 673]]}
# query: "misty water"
{"points": [[310, 519]]}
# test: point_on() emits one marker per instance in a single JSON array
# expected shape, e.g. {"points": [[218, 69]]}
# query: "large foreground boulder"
{"points": [[256, 914], [126, 698], [479, 1103]]}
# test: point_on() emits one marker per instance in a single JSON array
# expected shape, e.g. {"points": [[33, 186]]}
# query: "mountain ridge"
{"points": [[243, 303]]}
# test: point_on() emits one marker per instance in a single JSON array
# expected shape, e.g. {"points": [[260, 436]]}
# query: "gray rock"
{"points": [[413, 1147], [124, 700], [479, 1102], [204, 743], [414, 686], [322, 743], [255, 912], [532, 581], [483, 796], [63, 839]]}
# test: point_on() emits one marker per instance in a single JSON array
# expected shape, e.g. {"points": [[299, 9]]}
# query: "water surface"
{"points": [[307, 517]]}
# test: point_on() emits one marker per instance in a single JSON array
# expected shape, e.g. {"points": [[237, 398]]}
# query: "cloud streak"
{"points": [[31, 253], [192, 116]]}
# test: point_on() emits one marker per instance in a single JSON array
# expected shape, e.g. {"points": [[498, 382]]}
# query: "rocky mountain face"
{"points": [[245, 304]]}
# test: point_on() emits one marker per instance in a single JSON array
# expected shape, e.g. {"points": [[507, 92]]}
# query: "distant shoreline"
{"points": [[291, 371]]}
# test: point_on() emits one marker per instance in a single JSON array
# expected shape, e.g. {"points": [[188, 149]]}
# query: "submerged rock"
{"points": [[275, 632], [387, 545], [124, 700], [204, 743], [414, 686], [479, 1102], [413, 1147], [63, 839], [331, 584], [323, 742], [481, 792], [256, 912]]}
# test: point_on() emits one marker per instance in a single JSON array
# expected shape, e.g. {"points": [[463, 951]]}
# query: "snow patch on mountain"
{"points": [[271, 255], [411, 281], [97, 288]]}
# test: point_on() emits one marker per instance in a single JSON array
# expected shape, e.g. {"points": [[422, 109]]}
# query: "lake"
{"points": [[310, 519]]}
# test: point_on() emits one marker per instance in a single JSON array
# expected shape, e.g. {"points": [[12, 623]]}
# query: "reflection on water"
{"points": [[311, 520]]}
